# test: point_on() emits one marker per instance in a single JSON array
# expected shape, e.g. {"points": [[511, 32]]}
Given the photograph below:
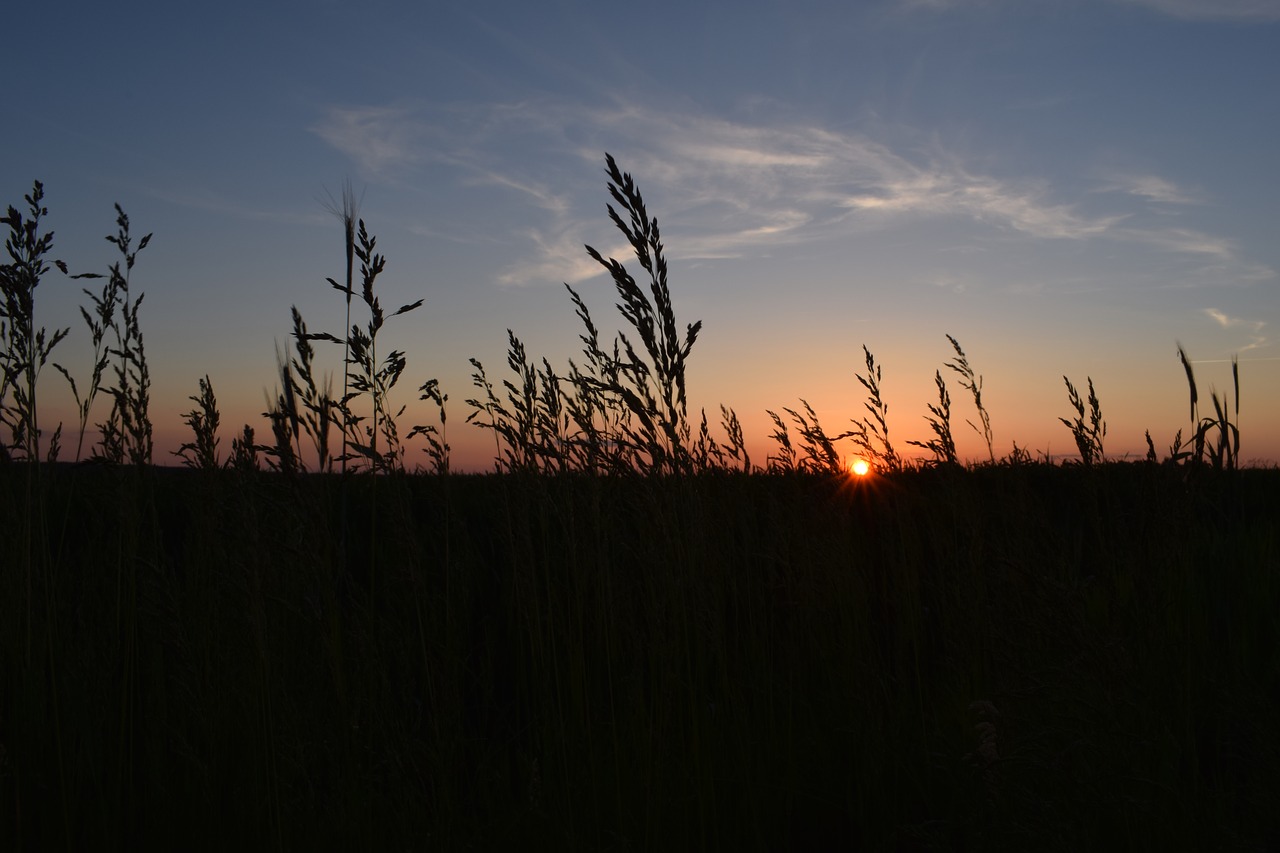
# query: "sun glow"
{"points": [[859, 467]]}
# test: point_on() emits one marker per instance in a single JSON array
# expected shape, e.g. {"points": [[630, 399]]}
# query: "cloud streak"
{"points": [[1149, 187], [380, 140], [1254, 328], [199, 198], [1214, 10], [1191, 10], [733, 189]]}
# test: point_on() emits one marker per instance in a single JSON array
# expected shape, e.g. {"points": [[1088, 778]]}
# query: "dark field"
{"points": [[999, 657], [628, 637]]}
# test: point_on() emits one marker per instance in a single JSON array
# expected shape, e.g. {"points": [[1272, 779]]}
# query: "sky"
{"points": [[1067, 187]]}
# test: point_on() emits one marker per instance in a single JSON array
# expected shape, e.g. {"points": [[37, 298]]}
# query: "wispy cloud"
{"points": [[828, 178], [1194, 10], [542, 196], [1254, 328], [201, 198], [1150, 187], [937, 5], [731, 189], [1042, 102], [1185, 241], [380, 140], [1215, 10], [766, 178], [558, 256]]}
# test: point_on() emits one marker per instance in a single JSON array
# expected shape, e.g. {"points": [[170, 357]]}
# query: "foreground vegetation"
{"points": [[629, 636], [1036, 657]]}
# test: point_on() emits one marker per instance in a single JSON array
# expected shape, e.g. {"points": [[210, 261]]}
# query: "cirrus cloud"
{"points": [[742, 189]]}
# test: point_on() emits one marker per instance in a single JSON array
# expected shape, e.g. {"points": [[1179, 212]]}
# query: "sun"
{"points": [[860, 467]]}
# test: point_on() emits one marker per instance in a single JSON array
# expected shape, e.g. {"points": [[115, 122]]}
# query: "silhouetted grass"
{"points": [[628, 636], [587, 662], [1088, 437], [25, 349]]}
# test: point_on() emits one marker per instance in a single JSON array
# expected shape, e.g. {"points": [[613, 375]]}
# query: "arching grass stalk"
{"points": [[600, 417], [972, 383], [310, 406], [820, 454], [282, 413], [628, 412], [1224, 452], [534, 422], [663, 431], [943, 444], [737, 446], [785, 460], [872, 436], [516, 425]]}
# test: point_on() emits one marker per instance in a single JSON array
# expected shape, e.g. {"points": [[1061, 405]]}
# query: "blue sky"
{"points": [[1066, 186]]}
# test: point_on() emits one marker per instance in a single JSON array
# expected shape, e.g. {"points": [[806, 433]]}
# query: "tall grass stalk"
{"points": [[347, 212], [819, 454], [972, 383], [625, 411], [283, 454], [370, 377], [737, 446], [872, 435], [1216, 439], [26, 349], [365, 376], [661, 433], [102, 319], [515, 421], [785, 459], [202, 452], [314, 409], [942, 445], [437, 437], [127, 431], [532, 427], [600, 416], [126, 435], [1088, 436]]}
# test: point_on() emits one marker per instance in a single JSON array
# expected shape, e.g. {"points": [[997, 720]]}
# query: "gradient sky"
{"points": [[1066, 186]]}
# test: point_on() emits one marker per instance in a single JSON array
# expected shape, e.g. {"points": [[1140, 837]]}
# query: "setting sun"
{"points": [[860, 467]]}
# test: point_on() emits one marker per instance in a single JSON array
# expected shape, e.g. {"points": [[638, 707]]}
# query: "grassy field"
{"points": [[1029, 657], [629, 635]]}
